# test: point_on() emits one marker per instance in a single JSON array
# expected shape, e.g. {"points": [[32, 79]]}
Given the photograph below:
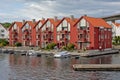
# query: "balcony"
{"points": [[15, 38], [26, 38], [14, 31], [47, 39], [63, 32], [47, 32], [38, 36], [80, 31], [63, 39], [83, 40], [38, 30]]}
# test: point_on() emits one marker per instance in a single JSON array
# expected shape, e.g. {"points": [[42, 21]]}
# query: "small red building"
{"points": [[64, 31], [92, 33], [37, 32], [28, 33], [15, 33], [48, 31]]}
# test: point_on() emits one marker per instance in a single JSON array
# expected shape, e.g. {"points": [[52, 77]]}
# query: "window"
{"points": [[48, 24], [83, 22], [40, 24], [68, 37], [2, 35], [27, 26], [68, 27], [52, 27], [15, 26], [58, 37], [109, 29], [64, 23], [2, 30], [37, 27]]}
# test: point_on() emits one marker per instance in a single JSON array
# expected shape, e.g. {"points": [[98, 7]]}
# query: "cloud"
{"points": [[29, 9]]}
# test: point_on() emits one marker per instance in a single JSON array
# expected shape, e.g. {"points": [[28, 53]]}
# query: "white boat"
{"points": [[62, 54], [31, 53]]}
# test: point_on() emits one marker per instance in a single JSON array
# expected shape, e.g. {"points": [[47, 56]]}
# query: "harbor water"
{"points": [[46, 67]]}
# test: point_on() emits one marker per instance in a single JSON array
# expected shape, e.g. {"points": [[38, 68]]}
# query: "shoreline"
{"points": [[88, 53]]}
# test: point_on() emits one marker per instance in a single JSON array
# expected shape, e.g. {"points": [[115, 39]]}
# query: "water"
{"points": [[16, 67]]}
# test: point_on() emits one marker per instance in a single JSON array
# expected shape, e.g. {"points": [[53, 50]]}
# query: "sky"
{"points": [[18, 10]]}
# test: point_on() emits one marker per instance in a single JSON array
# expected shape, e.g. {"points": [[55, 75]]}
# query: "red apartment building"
{"points": [[15, 33], [64, 30], [92, 33], [47, 31], [37, 32], [28, 33], [85, 33]]}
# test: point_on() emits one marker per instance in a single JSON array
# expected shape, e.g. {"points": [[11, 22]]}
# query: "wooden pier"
{"points": [[96, 67], [99, 53]]}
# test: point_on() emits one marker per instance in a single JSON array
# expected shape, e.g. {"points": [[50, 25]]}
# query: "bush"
{"points": [[68, 47], [3, 42], [18, 44], [50, 46], [64, 48]]}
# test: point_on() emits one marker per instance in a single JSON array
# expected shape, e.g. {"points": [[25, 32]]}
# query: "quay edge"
{"points": [[96, 67]]}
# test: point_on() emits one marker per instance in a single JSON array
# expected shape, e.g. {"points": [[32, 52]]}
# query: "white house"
{"points": [[115, 29], [3, 33]]}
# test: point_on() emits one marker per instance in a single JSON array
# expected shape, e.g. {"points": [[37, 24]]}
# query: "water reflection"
{"points": [[100, 60], [48, 68]]}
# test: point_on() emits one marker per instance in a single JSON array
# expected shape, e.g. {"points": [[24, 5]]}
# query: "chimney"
{"points": [[33, 20], [55, 18], [23, 21], [43, 18], [72, 17], [85, 14]]}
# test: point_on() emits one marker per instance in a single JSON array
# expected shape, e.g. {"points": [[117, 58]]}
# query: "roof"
{"points": [[42, 21], [96, 22], [31, 23], [117, 24], [52, 20], [19, 24], [71, 21]]}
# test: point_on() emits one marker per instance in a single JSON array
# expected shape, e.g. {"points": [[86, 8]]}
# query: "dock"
{"points": [[98, 53], [96, 67]]}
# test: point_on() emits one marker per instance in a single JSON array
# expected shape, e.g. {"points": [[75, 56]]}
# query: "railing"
{"points": [[64, 39], [15, 38], [83, 40], [64, 31], [14, 31]]}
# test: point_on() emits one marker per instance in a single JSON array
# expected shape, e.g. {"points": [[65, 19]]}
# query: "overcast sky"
{"points": [[17, 10]]}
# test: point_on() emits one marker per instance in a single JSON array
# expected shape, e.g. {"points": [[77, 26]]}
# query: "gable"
{"points": [[64, 25], [83, 23], [2, 29], [14, 26], [38, 26], [48, 25]]}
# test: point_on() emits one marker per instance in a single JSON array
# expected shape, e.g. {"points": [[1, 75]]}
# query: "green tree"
{"points": [[116, 40], [6, 24]]}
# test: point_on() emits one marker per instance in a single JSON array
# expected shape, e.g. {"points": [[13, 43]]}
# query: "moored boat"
{"points": [[63, 54]]}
